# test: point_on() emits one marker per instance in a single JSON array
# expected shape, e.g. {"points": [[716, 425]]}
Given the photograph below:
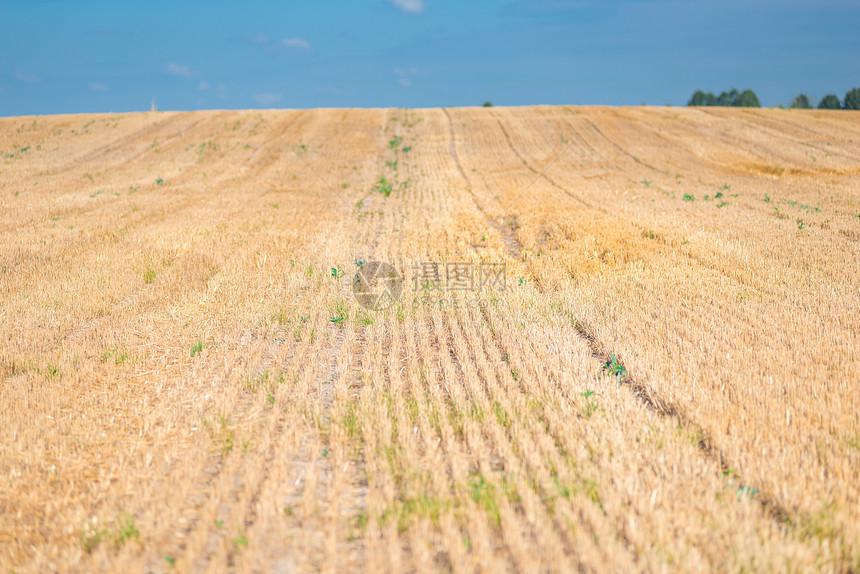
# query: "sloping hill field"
{"points": [[530, 339]]}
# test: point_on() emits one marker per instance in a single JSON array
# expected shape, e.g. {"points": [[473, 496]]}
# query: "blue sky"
{"points": [[69, 56]]}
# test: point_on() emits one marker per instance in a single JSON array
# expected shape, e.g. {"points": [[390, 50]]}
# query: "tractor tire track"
{"points": [[643, 231], [663, 408], [506, 230], [623, 151]]}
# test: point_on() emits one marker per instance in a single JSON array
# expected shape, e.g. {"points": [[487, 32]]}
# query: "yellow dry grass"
{"points": [[186, 381]]}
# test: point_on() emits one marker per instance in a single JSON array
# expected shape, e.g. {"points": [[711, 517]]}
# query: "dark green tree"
{"points": [[733, 98], [829, 102], [728, 98], [852, 100], [747, 99], [800, 102], [488, 104], [700, 98]]}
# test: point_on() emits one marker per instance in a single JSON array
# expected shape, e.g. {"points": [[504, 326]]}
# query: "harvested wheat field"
{"points": [[626, 339]]}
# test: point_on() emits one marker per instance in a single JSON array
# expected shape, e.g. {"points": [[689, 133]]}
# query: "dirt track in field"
{"points": [[667, 378]]}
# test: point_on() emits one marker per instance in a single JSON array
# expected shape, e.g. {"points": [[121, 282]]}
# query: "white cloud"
{"points": [[267, 99], [402, 76], [297, 43], [179, 70], [98, 87], [410, 6], [257, 39], [27, 78], [203, 86]]}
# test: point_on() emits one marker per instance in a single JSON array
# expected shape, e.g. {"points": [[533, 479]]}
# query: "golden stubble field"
{"points": [[668, 380]]}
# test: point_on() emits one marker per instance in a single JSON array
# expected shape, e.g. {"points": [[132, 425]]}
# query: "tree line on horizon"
{"points": [[748, 99]]}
